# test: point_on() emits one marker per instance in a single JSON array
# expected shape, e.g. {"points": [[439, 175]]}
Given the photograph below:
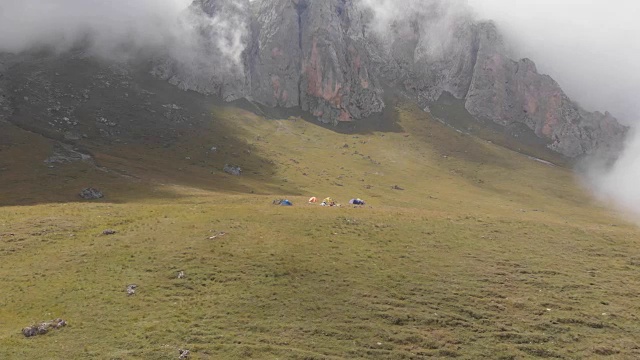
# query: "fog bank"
{"points": [[123, 29]]}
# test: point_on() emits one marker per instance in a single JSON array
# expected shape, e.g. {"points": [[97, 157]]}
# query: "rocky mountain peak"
{"points": [[335, 58]]}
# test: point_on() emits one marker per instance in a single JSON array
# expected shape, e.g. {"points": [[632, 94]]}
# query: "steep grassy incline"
{"points": [[485, 253]]}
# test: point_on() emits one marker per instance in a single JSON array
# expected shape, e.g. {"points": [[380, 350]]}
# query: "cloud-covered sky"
{"points": [[109, 23], [122, 29]]}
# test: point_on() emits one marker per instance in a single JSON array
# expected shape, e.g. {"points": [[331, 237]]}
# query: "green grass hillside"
{"points": [[484, 254]]}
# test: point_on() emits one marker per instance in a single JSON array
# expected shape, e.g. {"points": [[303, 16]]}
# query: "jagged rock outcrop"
{"points": [[423, 60], [336, 82], [323, 57], [311, 54], [507, 91], [276, 54]]}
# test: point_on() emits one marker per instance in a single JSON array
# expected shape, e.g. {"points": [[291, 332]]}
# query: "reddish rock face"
{"points": [[507, 91], [311, 54], [335, 66], [322, 57]]}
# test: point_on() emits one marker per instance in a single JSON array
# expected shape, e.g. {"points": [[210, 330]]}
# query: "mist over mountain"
{"points": [[334, 59], [586, 45], [122, 30]]}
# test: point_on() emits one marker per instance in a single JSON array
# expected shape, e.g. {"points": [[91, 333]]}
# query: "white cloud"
{"points": [[120, 29], [108, 24]]}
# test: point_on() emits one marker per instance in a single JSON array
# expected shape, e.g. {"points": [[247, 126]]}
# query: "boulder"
{"points": [[43, 328], [131, 289], [232, 170], [91, 194], [184, 354]]}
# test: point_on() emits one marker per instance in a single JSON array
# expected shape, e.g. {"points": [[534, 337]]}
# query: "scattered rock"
{"points": [[109, 232], [184, 354], [396, 187], [43, 328], [30, 331], [181, 275], [63, 153], [91, 194], [233, 170], [131, 289]]}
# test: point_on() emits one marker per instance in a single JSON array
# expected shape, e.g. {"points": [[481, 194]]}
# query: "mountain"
{"points": [[329, 59], [326, 58]]}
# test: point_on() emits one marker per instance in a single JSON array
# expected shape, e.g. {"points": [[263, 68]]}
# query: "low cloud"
{"points": [[123, 29], [435, 18]]}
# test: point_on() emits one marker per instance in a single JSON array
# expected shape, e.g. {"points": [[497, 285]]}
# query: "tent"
{"points": [[286, 203], [283, 202], [313, 200], [356, 201]]}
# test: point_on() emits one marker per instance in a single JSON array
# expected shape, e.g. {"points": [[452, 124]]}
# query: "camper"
{"points": [[328, 202]]}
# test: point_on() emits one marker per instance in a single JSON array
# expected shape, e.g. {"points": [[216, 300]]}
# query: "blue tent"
{"points": [[286, 203]]}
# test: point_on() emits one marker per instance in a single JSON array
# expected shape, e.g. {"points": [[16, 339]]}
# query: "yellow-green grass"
{"points": [[486, 253]]}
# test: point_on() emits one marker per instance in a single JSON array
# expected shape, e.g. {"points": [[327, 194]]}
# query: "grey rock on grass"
{"points": [[91, 194]]}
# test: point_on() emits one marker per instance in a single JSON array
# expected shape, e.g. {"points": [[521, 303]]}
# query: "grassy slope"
{"points": [[485, 254]]}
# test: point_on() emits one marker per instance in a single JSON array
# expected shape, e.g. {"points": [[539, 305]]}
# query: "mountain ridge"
{"points": [[326, 58]]}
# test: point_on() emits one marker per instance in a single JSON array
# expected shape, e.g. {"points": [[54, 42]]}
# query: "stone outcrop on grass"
{"points": [[43, 328], [184, 354], [91, 194], [131, 289], [232, 170]]}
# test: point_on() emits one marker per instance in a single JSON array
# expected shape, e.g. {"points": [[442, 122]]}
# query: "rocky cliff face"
{"points": [[327, 58], [311, 54], [323, 57], [508, 91], [217, 63]]}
